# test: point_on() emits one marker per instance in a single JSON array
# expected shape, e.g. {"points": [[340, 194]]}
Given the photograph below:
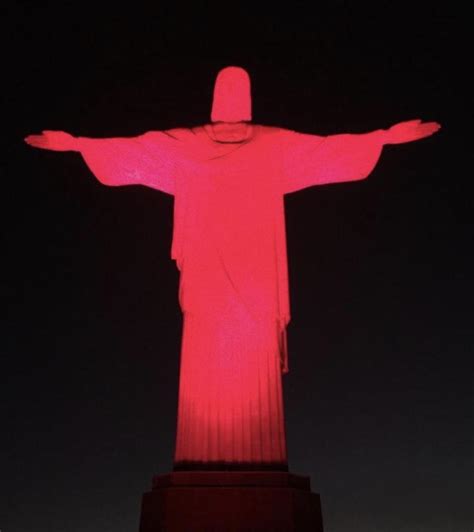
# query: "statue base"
{"points": [[231, 501]]}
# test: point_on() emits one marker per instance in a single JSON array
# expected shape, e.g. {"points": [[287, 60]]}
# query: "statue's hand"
{"points": [[410, 130], [53, 140]]}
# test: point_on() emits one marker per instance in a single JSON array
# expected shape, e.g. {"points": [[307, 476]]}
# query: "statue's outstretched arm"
{"points": [[310, 160], [149, 159]]}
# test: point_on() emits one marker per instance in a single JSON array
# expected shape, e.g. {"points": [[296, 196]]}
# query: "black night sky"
{"points": [[379, 394]]}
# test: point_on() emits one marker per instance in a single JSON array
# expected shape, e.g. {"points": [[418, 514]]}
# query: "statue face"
{"points": [[232, 98]]}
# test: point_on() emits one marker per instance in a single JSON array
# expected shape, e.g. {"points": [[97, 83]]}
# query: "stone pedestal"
{"points": [[231, 501]]}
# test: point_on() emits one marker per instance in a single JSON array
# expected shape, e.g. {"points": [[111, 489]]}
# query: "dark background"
{"points": [[378, 398]]}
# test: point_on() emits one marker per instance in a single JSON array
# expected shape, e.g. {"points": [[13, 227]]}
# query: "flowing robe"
{"points": [[229, 245]]}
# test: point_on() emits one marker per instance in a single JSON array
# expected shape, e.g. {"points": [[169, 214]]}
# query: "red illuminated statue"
{"points": [[228, 179]]}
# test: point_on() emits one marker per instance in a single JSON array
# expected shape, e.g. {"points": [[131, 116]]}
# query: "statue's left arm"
{"points": [[314, 160]]}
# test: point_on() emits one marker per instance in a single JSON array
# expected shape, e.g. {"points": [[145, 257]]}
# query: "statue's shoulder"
{"points": [[182, 134], [274, 136], [272, 131]]}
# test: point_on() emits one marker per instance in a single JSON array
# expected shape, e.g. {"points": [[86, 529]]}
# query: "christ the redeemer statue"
{"points": [[229, 178]]}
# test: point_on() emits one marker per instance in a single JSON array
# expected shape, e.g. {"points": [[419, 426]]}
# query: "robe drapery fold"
{"points": [[229, 245]]}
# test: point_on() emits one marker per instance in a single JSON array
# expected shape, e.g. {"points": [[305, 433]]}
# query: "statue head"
{"points": [[232, 99]]}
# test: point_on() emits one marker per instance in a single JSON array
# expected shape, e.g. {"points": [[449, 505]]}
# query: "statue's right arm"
{"points": [[149, 159]]}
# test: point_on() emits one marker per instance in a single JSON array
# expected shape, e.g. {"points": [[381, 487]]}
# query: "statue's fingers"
{"points": [[38, 141], [433, 126], [427, 129]]}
